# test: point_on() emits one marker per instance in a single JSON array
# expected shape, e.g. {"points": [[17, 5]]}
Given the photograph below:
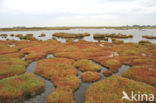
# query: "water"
{"points": [[49, 88], [135, 32], [80, 93]]}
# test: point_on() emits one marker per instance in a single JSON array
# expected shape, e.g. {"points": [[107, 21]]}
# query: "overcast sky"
{"points": [[77, 12]]}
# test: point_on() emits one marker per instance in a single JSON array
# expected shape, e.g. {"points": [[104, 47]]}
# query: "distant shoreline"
{"points": [[68, 28]]}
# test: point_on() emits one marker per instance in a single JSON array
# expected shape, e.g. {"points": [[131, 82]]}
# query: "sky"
{"points": [[52, 13]]}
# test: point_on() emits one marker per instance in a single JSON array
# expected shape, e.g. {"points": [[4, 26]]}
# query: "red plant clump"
{"points": [[86, 65], [90, 76], [112, 63], [63, 74], [111, 90], [143, 73], [61, 95], [60, 71], [107, 73], [82, 50], [40, 50]]}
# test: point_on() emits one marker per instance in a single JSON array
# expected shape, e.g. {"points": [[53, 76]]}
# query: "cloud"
{"points": [[76, 12]]}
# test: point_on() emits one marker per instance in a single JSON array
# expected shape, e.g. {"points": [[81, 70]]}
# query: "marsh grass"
{"points": [[18, 87], [110, 90]]}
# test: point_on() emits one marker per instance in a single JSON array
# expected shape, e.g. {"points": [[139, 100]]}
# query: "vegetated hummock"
{"points": [[4, 35], [61, 95], [90, 76], [142, 73], [70, 35], [11, 65], [63, 74], [42, 35], [17, 88], [118, 41], [110, 90], [112, 35], [26, 37], [144, 42], [107, 73], [86, 65], [149, 37]]}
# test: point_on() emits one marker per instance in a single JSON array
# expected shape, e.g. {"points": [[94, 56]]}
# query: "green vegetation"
{"points": [[26, 37], [112, 35], [11, 66], [69, 81], [118, 41], [70, 35], [86, 65], [144, 42], [12, 35], [110, 90], [17, 88], [113, 64]]}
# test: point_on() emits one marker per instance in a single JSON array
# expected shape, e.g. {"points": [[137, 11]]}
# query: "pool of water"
{"points": [[137, 34]]}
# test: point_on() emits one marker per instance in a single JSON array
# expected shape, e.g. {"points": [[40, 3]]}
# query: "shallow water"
{"points": [[80, 93], [135, 32], [48, 89]]}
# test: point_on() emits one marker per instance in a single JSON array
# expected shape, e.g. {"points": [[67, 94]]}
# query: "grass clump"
{"points": [[142, 73], [11, 66], [61, 95], [70, 35], [4, 35], [69, 81], [60, 71], [107, 73], [26, 37], [90, 76], [86, 65], [118, 41], [142, 42], [113, 64], [42, 35], [110, 90], [112, 35], [17, 88], [64, 76], [149, 37], [12, 35]]}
